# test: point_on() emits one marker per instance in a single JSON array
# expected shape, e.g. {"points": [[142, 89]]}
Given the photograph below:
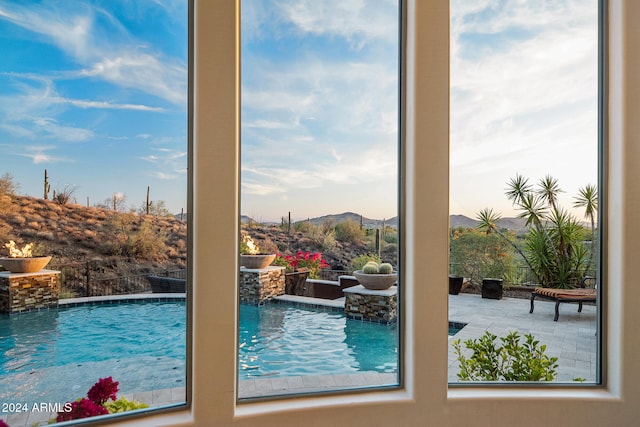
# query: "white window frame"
{"points": [[425, 396]]}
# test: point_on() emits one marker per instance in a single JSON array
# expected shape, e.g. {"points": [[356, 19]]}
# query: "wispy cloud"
{"points": [[106, 105], [106, 51], [39, 154], [170, 163], [319, 121], [523, 94]]}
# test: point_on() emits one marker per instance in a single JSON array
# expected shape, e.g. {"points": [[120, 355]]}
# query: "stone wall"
{"points": [[373, 306], [260, 285], [28, 291]]}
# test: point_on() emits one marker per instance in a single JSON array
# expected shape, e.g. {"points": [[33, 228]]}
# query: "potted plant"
{"points": [[250, 256], [22, 260], [298, 267], [376, 276]]}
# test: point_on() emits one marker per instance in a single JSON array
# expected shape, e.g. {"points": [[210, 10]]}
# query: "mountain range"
{"points": [[514, 224]]}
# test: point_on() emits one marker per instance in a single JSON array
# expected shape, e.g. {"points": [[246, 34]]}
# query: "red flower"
{"points": [[3, 424], [103, 390], [83, 408], [313, 262]]}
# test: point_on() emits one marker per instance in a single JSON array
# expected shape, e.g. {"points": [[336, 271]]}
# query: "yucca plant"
{"points": [[554, 248]]}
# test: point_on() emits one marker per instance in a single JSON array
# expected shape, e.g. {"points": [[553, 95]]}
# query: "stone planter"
{"points": [[294, 282], [455, 284], [256, 262], [492, 288], [376, 282], [25, 265]]}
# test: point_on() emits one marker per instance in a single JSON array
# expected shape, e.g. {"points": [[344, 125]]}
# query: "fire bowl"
{"points": [[25, 265], [256, 261]]}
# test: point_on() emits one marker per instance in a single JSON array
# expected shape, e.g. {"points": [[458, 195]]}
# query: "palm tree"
{"points": [[532, 204], [548, 190], [554, 250], [517, 188], [587, 198]]}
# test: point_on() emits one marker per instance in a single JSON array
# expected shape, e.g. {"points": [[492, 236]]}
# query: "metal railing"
{"points": [[90, 278], [520, 275]]}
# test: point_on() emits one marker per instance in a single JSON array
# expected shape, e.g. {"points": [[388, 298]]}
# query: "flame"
{"points": [[252, 247], [25, 252]]}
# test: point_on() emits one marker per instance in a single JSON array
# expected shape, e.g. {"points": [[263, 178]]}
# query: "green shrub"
{"points": [[305, 227], [147, 243], [129, 236], [360, 261], [349, 231], [476, 255], [513, 361], [123, 405]]}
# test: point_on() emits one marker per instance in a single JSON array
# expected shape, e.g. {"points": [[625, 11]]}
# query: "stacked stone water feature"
{"points": [[28, 291], [25, 286]]}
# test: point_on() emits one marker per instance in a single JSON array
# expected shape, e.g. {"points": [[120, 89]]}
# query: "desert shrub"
{"points": [[7, 186], [156, 208], [305, 227], [349, 231], [45, 235], [511, 361], [64, 196], [476, 255], [146, 243], [7, 190], [322, 236], [358, 262], [390, 238], [329, 241], [389, 252], [126, 235], [55, 207], [16, 219], [180, 244]]}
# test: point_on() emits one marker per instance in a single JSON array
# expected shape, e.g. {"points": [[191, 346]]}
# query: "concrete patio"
{"points": [[572, 339]]}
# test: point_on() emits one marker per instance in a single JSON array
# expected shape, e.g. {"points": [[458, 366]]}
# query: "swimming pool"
{"points": [[279, 340], [58, 354]]}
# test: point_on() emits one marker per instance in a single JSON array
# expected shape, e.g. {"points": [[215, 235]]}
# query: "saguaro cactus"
{"points": [[47, 187], [148, 203]]}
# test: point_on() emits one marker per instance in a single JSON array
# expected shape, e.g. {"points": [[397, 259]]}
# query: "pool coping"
{"points": [[115, 299]]}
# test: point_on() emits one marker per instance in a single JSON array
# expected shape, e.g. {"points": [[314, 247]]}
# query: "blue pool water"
{"points": [[58, 354], [279, 340]]}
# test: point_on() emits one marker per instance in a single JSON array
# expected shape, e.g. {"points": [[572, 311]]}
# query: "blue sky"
{"points": [[94, 93], [319, 103], [98, 97]]}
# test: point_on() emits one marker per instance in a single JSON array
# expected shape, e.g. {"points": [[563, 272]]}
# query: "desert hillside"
{"points": [[119, 243], [124, 243]]}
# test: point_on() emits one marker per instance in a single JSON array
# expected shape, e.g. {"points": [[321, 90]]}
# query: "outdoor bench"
{"points": [[579, 295]]}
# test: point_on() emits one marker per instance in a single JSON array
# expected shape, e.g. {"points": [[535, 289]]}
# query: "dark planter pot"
{"points": [[492, 288], [295, 282], [455, 285]]}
